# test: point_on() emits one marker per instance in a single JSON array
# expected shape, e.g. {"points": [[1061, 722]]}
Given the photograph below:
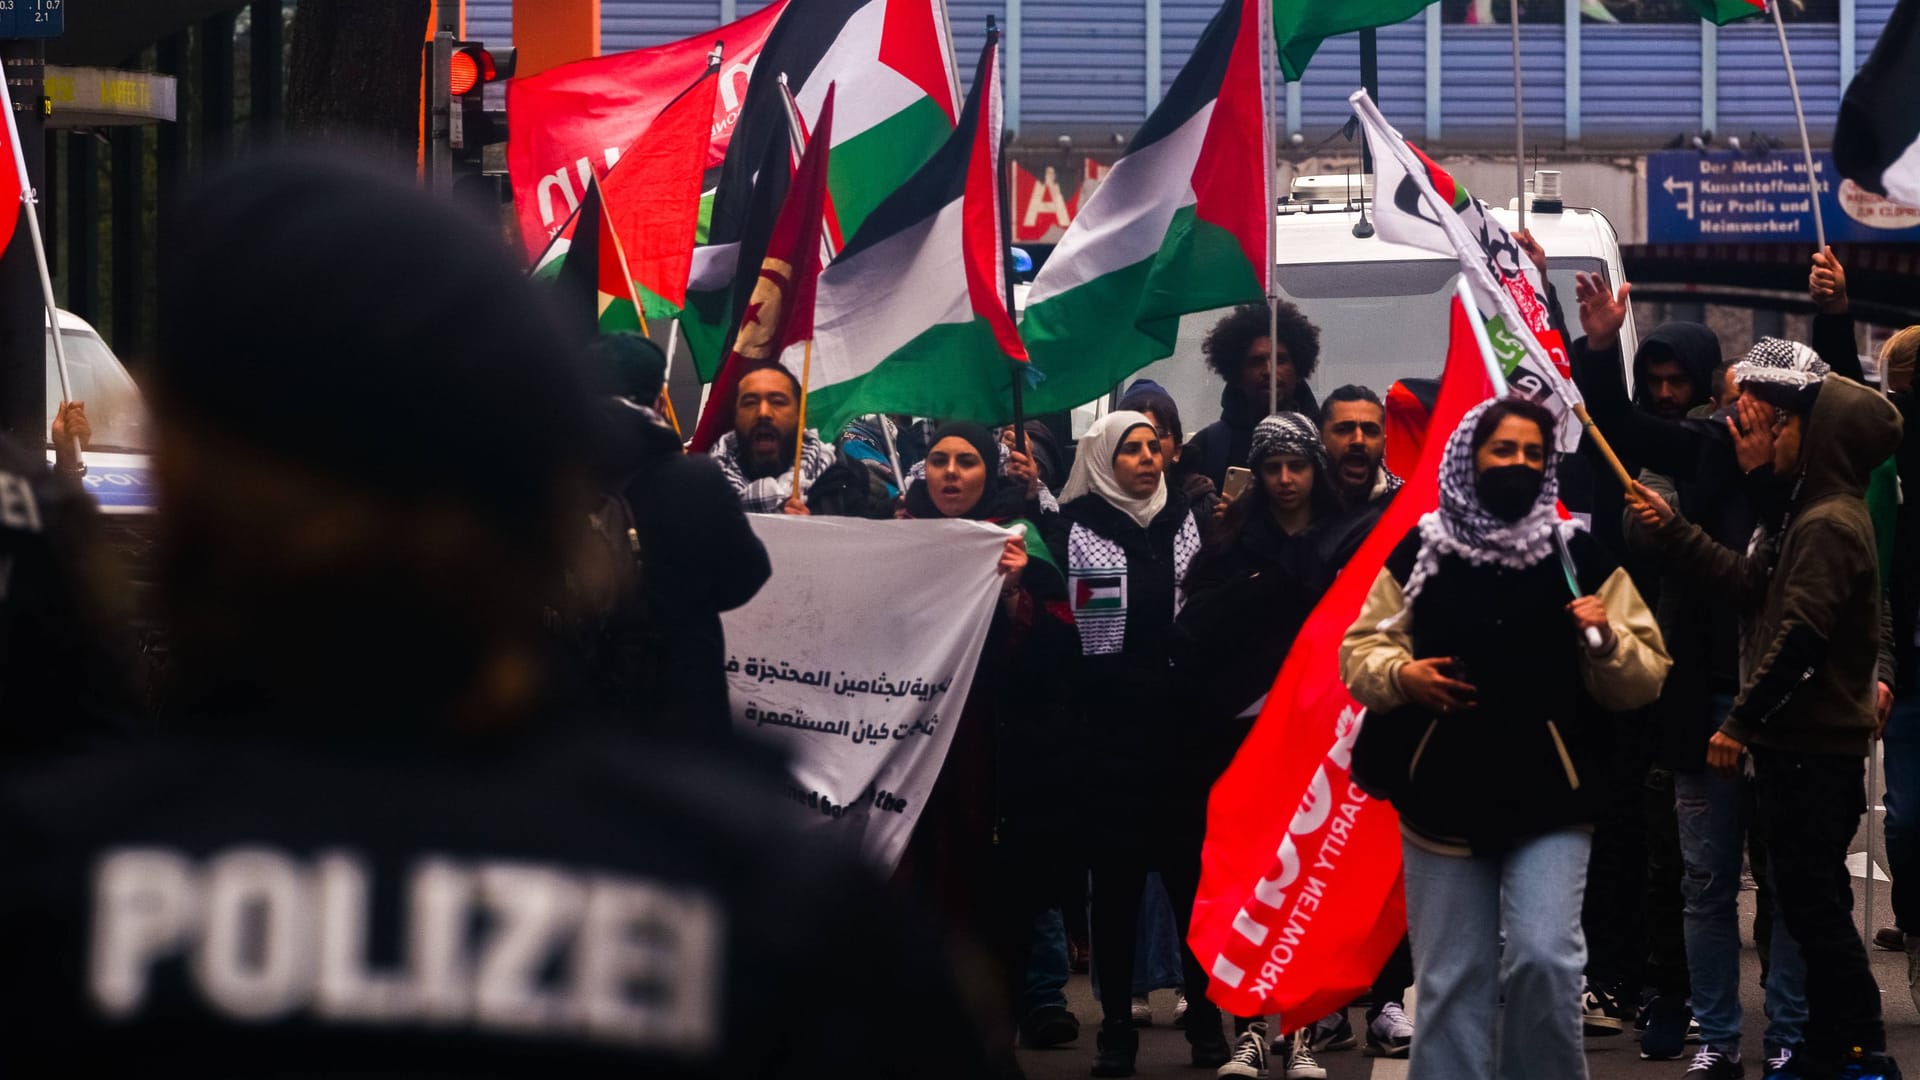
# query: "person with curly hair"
{"points": [[1237, 349]]}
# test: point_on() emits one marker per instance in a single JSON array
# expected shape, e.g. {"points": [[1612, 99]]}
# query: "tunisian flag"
{"points": [[1296, 914], [578, 119], [780, 312]]}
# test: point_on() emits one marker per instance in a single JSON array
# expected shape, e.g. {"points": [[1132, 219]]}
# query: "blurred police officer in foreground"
{"points": [[380, 839]]}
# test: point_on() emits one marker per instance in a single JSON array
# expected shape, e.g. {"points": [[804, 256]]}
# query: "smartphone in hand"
{"points": [[1237, 480]]}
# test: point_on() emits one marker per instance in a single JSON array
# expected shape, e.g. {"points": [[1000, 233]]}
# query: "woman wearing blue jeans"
{"points": [[1485, 692]]}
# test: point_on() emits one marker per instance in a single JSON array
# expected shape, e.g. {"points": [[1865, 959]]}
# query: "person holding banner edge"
{"points": [[986, 851], [1472, 664]]}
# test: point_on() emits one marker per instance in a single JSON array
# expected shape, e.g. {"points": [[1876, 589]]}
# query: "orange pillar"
{"points": [[548, 33]]}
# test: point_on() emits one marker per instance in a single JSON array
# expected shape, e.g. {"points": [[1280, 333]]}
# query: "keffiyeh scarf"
{"points": [[1462, 527], [769, 493]]}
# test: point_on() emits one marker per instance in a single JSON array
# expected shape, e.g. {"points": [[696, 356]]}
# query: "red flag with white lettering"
{"points": [[575, 120], [1297, 912]]}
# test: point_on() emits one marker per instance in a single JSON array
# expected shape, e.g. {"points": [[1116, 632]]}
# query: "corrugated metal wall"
{"points": [[1081, 67], [1641, 80]]}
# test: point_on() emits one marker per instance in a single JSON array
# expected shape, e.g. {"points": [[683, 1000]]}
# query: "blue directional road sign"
{"points": [[33, 18], [1727, 197]]}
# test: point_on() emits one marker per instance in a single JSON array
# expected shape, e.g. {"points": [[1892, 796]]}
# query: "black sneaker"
{"points": [[1602, 1013], [1712, 1064], [1890, 938], [1780, 1063], [1332, 1032], [1663, 1035], [1117, 1044], [1049, 1025]]}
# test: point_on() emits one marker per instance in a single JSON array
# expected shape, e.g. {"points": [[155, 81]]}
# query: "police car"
{"points": [[119, 474], [1382, 308]]}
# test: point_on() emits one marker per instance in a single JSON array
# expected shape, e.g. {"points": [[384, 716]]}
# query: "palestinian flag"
{"points": [[1876, 143], [778, 316], [912, 316], [893, 63], [596, 287], [1183, 223], [1300, 25], [651, 200], [1722, 12]]}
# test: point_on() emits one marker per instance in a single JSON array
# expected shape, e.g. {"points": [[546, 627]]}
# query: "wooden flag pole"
{"points": [[1606, 448], [1800, 114], [800, 437]]}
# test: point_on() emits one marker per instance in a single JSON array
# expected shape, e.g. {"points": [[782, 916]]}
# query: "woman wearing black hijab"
{"points": [[991, 849]]}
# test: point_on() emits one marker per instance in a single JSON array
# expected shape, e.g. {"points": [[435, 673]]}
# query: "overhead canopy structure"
{"points": [[93, 97]]}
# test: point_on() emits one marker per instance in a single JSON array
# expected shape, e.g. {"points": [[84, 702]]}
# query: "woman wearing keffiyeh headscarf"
{"points": [[1486, 730]]}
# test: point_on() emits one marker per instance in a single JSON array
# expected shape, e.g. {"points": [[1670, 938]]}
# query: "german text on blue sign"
{"points": [[1727, 197], [33, 18]]}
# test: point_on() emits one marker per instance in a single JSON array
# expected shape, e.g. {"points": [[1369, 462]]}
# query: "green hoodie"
{"points": [[1810, 618]]}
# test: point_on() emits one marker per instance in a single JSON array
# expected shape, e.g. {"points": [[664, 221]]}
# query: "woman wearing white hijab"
{"points": [[1129, 542]]}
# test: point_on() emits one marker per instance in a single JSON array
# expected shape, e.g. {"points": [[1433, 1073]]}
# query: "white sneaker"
{"points": [[1390, 1034], [1142, 1012], [1300, 1063], [1249, 1060]]}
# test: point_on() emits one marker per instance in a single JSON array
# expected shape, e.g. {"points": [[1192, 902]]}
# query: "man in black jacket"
{"points": [[697, 557], [1238, 349], [386, 844]]}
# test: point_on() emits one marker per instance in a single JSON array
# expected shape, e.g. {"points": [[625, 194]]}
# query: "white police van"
{"points": [[119, 472], [1382, 308]]}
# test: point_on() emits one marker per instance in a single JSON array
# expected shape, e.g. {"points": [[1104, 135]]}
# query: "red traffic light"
{"points": [[471, 66]]}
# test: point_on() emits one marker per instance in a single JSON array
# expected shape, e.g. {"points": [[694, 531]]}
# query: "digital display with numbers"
{"points": [[33, 18]]}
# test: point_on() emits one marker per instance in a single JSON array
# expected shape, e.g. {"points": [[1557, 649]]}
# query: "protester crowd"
{"points": [[444, 774]]}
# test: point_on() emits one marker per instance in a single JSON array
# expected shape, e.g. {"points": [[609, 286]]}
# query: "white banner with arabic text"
{"points": [[855, 660]]}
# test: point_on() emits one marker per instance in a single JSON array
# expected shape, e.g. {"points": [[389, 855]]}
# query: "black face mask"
{"points": [[1509, 491]]}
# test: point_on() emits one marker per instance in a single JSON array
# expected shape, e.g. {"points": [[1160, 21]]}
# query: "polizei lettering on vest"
{"points": [[508, 947]]}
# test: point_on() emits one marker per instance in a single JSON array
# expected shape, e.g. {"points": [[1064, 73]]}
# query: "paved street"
{"points": [[1163, 1049]]}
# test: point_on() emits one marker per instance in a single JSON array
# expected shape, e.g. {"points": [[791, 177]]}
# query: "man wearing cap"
{"points": [[1810, 662]]}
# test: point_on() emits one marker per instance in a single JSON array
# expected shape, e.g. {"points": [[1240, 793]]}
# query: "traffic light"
{"points": [[471, 127]]}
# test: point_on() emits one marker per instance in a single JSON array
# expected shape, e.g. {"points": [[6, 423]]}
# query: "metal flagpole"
{"points": [[1873, 800], [1499, 380], [1519, 116], [1269, 83], [1800, 115], [666, 380], [30, 200], [995, 119]]}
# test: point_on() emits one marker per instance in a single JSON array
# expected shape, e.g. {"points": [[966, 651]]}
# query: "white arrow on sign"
{"points": [[1685, 207]]}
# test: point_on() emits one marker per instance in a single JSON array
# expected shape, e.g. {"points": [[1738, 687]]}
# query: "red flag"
{"points": [[1297, 914], [781, 310], [653, 198], [10, 201], [580, 118]]}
